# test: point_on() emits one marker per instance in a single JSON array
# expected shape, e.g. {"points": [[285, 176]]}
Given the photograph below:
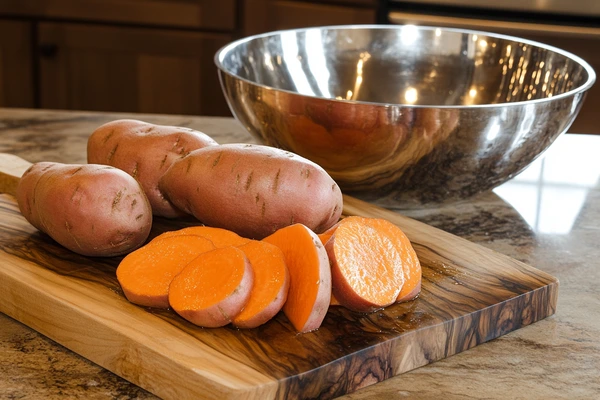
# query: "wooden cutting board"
{"points": [[470, 295]]}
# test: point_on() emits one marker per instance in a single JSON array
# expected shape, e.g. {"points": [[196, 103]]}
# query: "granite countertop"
{"points": [[547, 217]]}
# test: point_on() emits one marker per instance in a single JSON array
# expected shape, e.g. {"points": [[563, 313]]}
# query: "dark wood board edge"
{"points": [[407, 352]]}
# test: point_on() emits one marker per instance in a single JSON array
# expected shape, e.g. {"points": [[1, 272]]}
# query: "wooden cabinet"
{"points": [[151, 56], [196, 14], [269, 15], [16, 70], [129, 69]]}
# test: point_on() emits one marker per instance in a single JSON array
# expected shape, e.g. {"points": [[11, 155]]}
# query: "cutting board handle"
{"points": [[11, 170]]}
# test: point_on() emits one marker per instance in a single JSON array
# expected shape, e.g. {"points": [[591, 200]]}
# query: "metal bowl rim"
{"points": [[219, 55]]}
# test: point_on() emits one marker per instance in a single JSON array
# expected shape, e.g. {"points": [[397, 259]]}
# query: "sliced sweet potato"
{"points": [[366, 267], [145, 274], [310, 276], [218, 236], [325, 236], [214, 288], [410, 262], [271, 284]]}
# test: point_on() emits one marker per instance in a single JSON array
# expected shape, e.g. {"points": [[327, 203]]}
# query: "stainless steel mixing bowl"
{"points": [[405, 115]]}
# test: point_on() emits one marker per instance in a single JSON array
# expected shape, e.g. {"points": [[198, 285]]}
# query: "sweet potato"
{"points": [[145, 151], [411, 266], [146, 273], [271, 284], [253, 190], [218, 236], [94, 210], [310, 276], [214, 288], [366, 266]]}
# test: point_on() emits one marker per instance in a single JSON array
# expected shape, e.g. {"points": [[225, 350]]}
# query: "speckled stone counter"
{"points": [[548, 217]]}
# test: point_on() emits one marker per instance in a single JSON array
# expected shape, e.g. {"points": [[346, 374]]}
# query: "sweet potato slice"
{"points": [[410, 262], [325, 236], [145, 274], [218, 236], [214, 288], [366, 266], [271, 284], [310, 276]]}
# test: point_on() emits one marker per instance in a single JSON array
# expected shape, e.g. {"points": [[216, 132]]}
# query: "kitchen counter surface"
{"points": [[547, 217]]}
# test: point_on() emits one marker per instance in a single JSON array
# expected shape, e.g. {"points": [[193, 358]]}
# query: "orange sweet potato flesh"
{"points": [[271, 284], [366, 267], [310, 276], [214, 288], [325, 236], [410, 262], [218, 236], [145, 274]]}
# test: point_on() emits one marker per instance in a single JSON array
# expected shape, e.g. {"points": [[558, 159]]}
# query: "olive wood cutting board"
{"points": [[469, 296]]}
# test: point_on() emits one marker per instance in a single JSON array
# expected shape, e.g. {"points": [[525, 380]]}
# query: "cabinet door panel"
{"points": [[270, 15], [96, 82], [130, 70], [16, 76], [169, 73]]}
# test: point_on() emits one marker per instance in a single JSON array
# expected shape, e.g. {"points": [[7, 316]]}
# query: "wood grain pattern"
{"points": [[470, 295], [11, 170]]}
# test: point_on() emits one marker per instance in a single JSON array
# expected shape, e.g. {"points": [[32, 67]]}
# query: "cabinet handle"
{"points": [[48, 50]]}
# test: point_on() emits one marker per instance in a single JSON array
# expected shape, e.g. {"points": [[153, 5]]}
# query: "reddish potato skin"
{"points": [[253, 190], [145, 151], [93, 210], [323, 299]]}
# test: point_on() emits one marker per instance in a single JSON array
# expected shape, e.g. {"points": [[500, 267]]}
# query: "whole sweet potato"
{"points": [[253, 190], [145, 151], [94, 210]]}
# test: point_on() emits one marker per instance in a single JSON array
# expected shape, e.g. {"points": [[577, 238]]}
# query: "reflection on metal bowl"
{"points": [[405, 115]]}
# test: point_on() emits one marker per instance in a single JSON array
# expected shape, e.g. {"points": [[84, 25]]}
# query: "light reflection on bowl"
{"points": [[403, 114]]}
